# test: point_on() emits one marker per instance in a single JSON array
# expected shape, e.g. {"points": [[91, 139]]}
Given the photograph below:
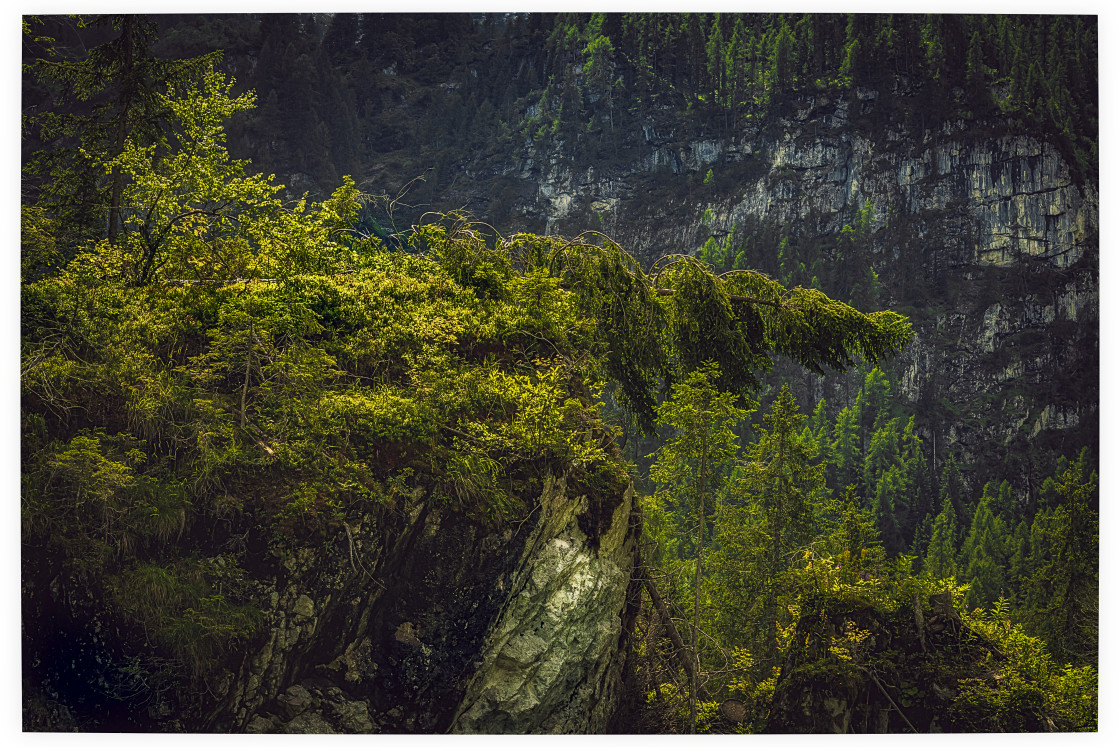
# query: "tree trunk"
{"points": [[682, 652], [696, 592], [116, 190]]}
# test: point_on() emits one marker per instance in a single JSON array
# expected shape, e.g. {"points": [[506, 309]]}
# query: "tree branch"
{"points": [[674, 635]]}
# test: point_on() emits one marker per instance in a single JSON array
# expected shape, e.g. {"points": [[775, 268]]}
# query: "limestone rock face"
{"points": [[986, 240], [552, 662], [426, 623]]}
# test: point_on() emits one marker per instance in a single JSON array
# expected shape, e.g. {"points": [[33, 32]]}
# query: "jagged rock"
{"points": [[309, 723], [422, 621], [895, 681], [296, 700], [304, 607], [260, 725], [353, 716], [551, 663]]}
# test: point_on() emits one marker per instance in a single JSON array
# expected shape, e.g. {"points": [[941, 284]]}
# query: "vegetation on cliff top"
{"points": [[211, 373], [229, 373]]}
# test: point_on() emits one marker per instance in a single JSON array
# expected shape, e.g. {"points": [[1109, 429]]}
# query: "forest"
{"points": [[223, 376]]}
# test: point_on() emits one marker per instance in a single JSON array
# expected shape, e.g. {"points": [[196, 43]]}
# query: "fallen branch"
{"points": [[887, 695], [674, 635]]}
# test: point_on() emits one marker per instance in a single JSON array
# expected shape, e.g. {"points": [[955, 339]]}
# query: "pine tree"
{"points": [[714, 49], [983, 555], [920, 543], [782, 63], [952, 488], [846, 453], [890, 491], [933, 45], [779, 478], [692, 464], [917, 499], [941, 555], [820, 426], [599, 69], [852, 537], [882, 453], [976, 72], [875, 401], [1063, 592]]}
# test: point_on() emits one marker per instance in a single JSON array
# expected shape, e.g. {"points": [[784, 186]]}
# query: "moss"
{"points": [[605, 485]]}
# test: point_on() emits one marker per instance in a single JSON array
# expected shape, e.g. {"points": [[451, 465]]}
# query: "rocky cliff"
{"points": [[415, 621], [984, 238], [856, 670]]}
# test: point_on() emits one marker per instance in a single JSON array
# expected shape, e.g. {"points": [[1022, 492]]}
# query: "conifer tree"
{"points": [[846, 453], [779, 478], [941, 555], [890, 489], [976, 82], [853, 537], [820, 426], [692, 464], [1063, 592], [983, 555], [920, 542], [782, 62]]}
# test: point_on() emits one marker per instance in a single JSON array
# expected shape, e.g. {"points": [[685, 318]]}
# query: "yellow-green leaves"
{"points": [[379, 414], [190, 213], [702, 419], [546, 419]]}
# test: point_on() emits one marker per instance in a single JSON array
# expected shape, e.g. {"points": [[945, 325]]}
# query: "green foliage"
{"points": [[190, 213], [983, 555], [110, 90], [1027, 684], [267, 367], [692, 463], [940, 560], [702, 420], [205, 360], [840, 569], [1063, 590], [178, 607]]}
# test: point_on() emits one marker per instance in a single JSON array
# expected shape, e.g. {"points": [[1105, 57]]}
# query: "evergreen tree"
{"points": [[941, 555], [919, 545], [780, 480], [599, 69], [976, 74], [691, 466], [916, 500], [852, 537], [716, 87], [820, 427], [874, 401], [782, 62], [852, 67], [933, 46], [846, 454], [882, 453], [983, 555], [1063, 592], [890, 490], [952, 488], [1019, 566]]}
